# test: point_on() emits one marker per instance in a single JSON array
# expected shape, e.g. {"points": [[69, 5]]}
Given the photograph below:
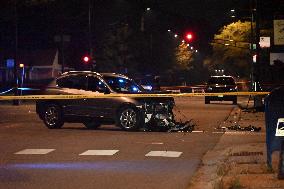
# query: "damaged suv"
{"points": [[129, 113]]}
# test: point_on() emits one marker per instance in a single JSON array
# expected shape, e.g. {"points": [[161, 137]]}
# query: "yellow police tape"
{"points": [[40, 97]]}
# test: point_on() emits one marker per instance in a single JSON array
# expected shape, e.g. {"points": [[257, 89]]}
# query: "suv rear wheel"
{"points": [[52, 116], [129, 118]]}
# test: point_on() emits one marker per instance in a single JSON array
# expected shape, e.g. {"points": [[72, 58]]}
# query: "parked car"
{"points": [[221, 84], [129, 113], [149, 82]]}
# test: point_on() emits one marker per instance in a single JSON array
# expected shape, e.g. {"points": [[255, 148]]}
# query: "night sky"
{"points": [[203, 16], [38, 23]]}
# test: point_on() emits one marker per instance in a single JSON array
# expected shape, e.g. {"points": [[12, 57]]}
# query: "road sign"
{"points": [[276, 58], [10, 63], [278, 32], [264, 42], [280, 127]]}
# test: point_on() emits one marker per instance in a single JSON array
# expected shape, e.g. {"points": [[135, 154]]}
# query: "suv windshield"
{"points": [[221, 81], [121, 84]]}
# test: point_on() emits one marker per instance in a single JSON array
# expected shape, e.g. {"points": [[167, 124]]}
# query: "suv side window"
{"points": [[73, 82], [95, 84]]}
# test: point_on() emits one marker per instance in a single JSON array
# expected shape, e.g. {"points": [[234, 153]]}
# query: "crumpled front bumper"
{"points": [[157, 114]]}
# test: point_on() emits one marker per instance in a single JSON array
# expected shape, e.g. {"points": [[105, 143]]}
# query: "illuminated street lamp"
{"points": [[176, 35], [233, 13]]}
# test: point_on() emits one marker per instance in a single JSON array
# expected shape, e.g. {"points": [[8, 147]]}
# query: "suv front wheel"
{"points": [[52, 116], [129, 118]]}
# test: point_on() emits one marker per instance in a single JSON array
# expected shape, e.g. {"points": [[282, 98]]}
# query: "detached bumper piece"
{"points": [[166, 125], [187, 126], [159, 117]]}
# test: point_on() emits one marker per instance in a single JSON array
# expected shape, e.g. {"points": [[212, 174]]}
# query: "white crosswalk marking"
{"points": [[35, 151], [99, 153], [164, 153]]}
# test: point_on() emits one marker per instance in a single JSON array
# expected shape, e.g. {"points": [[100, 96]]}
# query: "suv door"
{"points": [[73, 84], [96, 107]]}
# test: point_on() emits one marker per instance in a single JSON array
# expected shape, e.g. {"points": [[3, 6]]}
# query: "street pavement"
{"points": [[239, 158], [33, 156]]}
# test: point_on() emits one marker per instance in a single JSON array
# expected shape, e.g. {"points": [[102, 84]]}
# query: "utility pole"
{"points": [[252, 40], [90, 28], [16, 102], [257, 36], [257, 99]]}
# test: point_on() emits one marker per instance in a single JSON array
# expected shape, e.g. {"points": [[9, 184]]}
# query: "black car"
{"points": [[221, 84], [129, 113]]}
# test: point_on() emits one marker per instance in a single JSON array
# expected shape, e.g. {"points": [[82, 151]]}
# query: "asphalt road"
{"points": [[32, 156]]}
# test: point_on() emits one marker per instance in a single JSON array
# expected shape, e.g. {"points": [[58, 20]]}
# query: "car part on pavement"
{"points": [[248, 128], [187, 126], [163, 120]]}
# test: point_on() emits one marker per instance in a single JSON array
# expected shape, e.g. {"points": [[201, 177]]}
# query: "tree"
{"points": [[231, 49], [184, 57]]}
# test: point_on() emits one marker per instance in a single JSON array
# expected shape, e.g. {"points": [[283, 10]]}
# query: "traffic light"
{"points": [[86, 59], [189, 36]]}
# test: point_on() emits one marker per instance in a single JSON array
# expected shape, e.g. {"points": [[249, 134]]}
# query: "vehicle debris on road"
{"points": [[239, 128], [167, 125]]}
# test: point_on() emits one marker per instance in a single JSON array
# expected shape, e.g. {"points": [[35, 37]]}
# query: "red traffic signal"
{"points": [[189, 36], [86, 59]]}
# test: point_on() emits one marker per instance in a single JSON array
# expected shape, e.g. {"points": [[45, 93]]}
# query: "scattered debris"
{"points": [[187, 126], [166, 125], [244, 153], [248, 128], [163, 120]]}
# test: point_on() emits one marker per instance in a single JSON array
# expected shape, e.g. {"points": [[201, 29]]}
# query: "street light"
{"points": [[232, 13]]}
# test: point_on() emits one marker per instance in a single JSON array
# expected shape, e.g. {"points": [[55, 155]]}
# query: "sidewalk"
{"points": [[239, 158]]}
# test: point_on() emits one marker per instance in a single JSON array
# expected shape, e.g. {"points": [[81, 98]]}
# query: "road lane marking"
{"points": [[197, 131], [99, 153], [158, 143], [164, 153], [244, 133], [35, 151], [154, 143]]}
